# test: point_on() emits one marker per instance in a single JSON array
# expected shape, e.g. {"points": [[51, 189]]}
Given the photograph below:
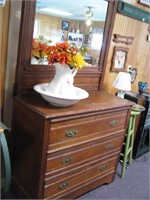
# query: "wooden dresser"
{"points": [[62, 153]]}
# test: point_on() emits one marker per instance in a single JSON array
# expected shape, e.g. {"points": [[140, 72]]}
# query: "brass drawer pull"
{"points": [[113, 123], [67, 160], [71, 133], [103, 168], [63, 185], [109, 146]]}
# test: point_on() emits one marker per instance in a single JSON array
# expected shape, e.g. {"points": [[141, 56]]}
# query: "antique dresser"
{"points": [[65, 152], [62, 153]]}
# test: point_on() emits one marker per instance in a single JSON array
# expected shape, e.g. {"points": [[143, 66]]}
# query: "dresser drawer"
{"points": [[83, 153], [79, 130], [62, 184]]}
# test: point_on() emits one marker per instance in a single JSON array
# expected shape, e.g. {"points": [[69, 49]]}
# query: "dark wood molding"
{"points": [[112, 10], [25, 42]]}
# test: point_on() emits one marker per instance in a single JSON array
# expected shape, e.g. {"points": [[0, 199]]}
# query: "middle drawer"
{"points": [[82, 153]]}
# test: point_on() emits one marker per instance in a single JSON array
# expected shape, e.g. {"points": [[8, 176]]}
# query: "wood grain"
{"points": [[139, 51], [4, 25], [42, 170]]}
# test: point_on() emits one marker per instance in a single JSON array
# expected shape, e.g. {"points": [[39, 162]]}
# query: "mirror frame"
{"points": [[28, 75]]}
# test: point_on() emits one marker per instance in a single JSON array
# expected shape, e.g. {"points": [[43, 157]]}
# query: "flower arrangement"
{"points": [[65, 53], [62, 52], [39, 45]]}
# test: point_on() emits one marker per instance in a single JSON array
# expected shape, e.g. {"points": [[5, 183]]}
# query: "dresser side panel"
{"points": [[29, 150]]}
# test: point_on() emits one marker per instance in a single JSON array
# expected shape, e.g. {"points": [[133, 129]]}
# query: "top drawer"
{"points": [[84, 129]]}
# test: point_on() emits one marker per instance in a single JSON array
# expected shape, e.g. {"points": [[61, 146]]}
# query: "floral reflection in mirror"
{"points": [[50, 15], [39, 46]]}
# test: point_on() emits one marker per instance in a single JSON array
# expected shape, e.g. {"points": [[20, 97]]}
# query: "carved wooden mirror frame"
{"points": [[27, 75]]}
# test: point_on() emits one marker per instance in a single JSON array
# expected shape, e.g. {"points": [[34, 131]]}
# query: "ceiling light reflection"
{"points": [[54, 11]]}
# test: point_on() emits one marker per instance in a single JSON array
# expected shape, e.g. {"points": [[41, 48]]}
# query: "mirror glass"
{"points": [[81, 23]]}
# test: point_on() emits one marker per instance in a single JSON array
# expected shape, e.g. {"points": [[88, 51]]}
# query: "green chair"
{"points": [[127, 151]]}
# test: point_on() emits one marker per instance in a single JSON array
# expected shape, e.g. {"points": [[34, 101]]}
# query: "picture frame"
{"points": [[119, 59], [65, 25], [123, 39], [2, 3], [144, 2]]}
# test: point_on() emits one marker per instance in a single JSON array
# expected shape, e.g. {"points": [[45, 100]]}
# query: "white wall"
{"points": [[14, 24]]}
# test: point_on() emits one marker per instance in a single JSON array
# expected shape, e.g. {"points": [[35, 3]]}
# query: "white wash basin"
{"points": [[59, 100]]}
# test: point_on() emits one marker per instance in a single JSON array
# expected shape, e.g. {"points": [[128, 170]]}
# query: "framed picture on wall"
{"points": [[144, 2], [2, 3], [119, 59], [65, 25]]}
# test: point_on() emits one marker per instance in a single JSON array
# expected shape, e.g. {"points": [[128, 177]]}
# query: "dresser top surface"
{"points": [[98, 101]]}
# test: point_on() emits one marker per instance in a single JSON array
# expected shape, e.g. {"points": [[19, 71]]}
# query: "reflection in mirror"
{"points": [[81, 23]]}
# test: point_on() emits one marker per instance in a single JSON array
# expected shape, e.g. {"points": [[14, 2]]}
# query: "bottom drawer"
{"points": [[61, 185], [106, 178]]}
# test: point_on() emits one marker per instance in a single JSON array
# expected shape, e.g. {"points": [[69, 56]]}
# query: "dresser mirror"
{"points": [[36, 21], [81, 23]]}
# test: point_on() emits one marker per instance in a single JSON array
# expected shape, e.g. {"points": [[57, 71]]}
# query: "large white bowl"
{"points": [[58, 100]]}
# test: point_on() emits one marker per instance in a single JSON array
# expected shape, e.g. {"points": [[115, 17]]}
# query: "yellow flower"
{"points": [[63, 53], [77, 61]]}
